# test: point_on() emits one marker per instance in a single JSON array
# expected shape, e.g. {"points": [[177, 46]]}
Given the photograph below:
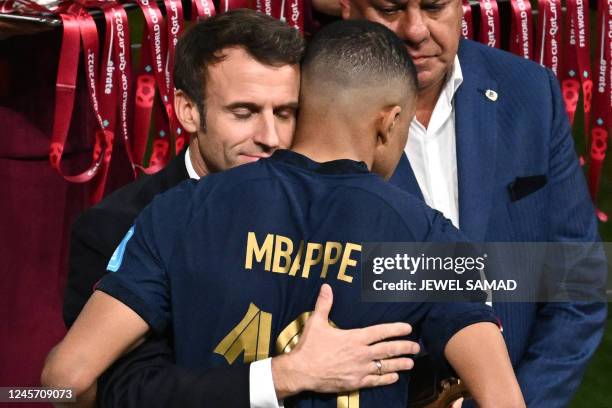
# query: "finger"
{"points": [[389, 349], [324, 302], [457, 404], [379, 332], [393, 365], [379, 380]]}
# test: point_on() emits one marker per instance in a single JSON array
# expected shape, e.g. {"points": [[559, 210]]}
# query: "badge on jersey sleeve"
{"points": [[117, 258]]}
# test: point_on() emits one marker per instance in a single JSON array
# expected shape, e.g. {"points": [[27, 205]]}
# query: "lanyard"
{"points": [[77, 24], [202, 9], [521, 32], [602, 99], [576, 74], [549, 34], [490, 33], [467, 25], [153, 69]]}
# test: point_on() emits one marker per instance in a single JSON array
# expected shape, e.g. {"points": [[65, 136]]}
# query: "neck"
{"points": [[427, 99], [198, 163], [322, 138], [426, 103]]}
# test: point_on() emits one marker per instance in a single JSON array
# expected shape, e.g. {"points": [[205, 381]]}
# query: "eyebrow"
{"points": [[254, 107], [395, 2]]}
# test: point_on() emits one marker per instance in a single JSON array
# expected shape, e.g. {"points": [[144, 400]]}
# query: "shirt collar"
{"points": [[189, 166], [341, 166], [454, 81]]}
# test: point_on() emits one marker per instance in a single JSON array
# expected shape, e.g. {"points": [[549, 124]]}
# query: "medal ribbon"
{"points": [[521, 31], [490, 32], [602, 99]]}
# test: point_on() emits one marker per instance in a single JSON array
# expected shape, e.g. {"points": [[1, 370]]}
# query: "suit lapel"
{"points": [[476, 140]]}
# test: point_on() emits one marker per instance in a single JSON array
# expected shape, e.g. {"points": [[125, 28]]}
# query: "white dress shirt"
{"points": [[432, 154], [432, 151], [261, 383]]}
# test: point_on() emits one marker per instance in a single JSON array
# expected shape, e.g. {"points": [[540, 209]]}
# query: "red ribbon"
{"points": [[602, 98], [490, 31], [467, 25], [521, 32], [549, 34], [153, 66], [202, 9], [77, 24], [292, 12]]}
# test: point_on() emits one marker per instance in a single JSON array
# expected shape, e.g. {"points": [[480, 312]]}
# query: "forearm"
{"points": [[104, 331], [479, 355]]}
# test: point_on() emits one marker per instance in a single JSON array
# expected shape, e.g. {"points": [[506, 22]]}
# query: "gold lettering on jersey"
{"points": [[254, 249], [296, 262], [310, 259], [288, 339], [347, 261], [251, 336], [328, 258], [348, 400], [280, 254], [283, 247]]}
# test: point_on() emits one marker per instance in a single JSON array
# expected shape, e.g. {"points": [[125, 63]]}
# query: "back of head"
{"points": [[268, 40], [360, 59]]}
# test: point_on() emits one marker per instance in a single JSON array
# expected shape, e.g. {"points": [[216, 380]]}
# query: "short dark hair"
{"points": [[267, 40], [353, 52]]}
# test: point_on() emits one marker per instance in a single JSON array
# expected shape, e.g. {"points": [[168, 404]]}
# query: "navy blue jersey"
{"points": [[232, 264]]}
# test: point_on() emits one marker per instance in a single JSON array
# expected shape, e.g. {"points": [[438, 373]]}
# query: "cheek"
{"points": [[447, 39]]}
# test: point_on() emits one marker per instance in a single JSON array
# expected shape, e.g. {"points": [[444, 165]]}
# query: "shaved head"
{"points": [[361, 61]]}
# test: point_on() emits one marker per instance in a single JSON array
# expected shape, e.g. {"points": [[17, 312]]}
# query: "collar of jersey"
{"points": [[342, 166]]}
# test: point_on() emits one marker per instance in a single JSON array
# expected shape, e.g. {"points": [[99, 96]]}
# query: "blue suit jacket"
{"points": [[525, 132]]}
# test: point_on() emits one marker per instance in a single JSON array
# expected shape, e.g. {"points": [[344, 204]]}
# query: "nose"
{"points": [[413, 28], [267, 135]]}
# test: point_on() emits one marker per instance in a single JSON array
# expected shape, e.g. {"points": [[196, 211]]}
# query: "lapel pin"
{"points": [[491, 94]]}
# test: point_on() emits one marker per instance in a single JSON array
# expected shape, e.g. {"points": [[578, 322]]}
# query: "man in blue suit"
{"points": [[491, 148]]}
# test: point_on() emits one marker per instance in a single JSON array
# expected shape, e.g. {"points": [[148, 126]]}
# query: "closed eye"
{"points": [[285, 113]]}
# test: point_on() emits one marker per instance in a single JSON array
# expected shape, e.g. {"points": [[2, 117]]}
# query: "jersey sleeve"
{"points": [[460, 309], [444, 320], [138, 269]]}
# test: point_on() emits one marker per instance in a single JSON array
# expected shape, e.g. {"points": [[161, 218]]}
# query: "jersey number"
{"points": [[252, 334]]}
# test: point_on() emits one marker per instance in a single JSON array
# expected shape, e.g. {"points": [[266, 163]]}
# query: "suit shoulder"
{"points": [[108, 220], [506, 68]]}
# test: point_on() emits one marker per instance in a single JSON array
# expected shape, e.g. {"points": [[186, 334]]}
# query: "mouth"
{"points": [[420, 59], [249, 158]]}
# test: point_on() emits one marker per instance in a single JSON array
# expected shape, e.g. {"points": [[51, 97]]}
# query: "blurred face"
{"points": [[250, 110], [431, 30]]}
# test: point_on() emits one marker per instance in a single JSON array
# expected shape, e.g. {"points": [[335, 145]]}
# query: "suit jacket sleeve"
{"points": [[565, 335], [147, 377]]}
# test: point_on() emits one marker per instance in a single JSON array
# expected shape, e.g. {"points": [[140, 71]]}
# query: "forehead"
{"points": [[238, 75]]}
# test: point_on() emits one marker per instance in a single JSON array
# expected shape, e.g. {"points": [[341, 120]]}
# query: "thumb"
{"points": [[324, 303]]}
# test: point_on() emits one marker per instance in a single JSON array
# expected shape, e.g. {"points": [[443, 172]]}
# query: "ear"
{"points": [[187, 112], [387, 120], [345, 8]]}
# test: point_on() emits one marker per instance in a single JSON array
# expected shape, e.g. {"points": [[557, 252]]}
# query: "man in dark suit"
{"points": [[237, 77], [491, 148]]}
